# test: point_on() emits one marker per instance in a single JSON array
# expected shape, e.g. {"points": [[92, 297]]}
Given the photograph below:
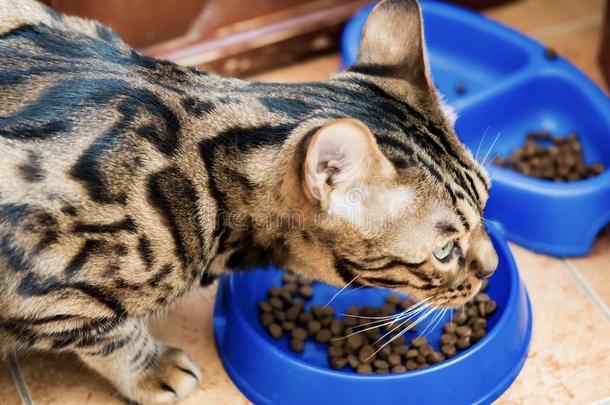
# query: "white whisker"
{"points": [[340, 291], [476, 156], [490, 149]]}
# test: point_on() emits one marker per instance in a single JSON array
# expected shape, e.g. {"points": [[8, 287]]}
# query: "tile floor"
{"points": [[569, 359]]}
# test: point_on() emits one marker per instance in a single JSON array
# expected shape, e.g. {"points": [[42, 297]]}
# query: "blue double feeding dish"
{"points": [[511, 88], [267, 372]]}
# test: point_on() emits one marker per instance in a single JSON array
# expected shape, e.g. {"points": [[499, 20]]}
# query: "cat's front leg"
{"points": [[142, 368]]}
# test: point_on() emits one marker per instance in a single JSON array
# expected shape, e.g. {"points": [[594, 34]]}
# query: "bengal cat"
{"points": [[126, 180]]}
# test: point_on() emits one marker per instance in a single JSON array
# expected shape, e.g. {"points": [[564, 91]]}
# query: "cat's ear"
{"points": [[342, 156], [393, 43]]}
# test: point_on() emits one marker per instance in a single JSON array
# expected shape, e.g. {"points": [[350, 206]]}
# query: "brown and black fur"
{"points": [[125, 181]]}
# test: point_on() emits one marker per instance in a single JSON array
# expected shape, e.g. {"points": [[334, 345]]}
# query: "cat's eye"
{"points": [[444, 251]]}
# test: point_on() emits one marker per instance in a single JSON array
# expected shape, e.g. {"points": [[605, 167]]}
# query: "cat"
{"points": [[127, 181]]}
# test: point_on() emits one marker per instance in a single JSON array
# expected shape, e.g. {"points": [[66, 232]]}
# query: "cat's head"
{"points": [[397, 204]]}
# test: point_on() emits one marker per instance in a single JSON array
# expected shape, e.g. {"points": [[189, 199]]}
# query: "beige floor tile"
{"points": [[569, 359], [8, 390], [62, 379], [534, 15], [570, 45], [596, 266], [189, 326]]}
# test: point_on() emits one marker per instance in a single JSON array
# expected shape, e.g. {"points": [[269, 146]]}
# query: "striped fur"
{"points": [[125, 181]]}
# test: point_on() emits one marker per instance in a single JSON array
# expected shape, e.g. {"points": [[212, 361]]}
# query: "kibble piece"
{"points": [[463, 331], [290, 288], [384, 352], [426, 349], [297, 345], [354, 341], [411, 365], [274, 292], [448, 339], [305, 317], [463, 343], [335, 351], [313, 327], [373, 333], [387, 309], [264, 306], [369, 310], [434, 358], [326, 321], [448, 350], [421, 358], [419, 341], [276, 303], [323, 336], [353, 310], [280, 315], [484, 285], [482, 297], [382, 370], [406, 304], [338, 362], [364, 369], [411, 354], [350, 321], [381, 364], [459, 318], [288, 326], [336, 327], [399, 369], [479, 323], [394, 359], [289, 277], [478, 335], [550, 53], [449, 327], [472, 312], [293, 313], [306, 291], [299, 333], [353, 361], [393, 299], [275, 330], [266, 318], [298, 302], [398, 341], [328, 311], [366, 354], [490, 307], [400, 350], [317, 311], [423, 365]]}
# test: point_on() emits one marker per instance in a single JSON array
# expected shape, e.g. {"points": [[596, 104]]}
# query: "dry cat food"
{"points": [[551, 157], [357, 340]]}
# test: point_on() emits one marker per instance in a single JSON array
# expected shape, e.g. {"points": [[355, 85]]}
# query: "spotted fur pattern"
{"points": [[125, 181]]}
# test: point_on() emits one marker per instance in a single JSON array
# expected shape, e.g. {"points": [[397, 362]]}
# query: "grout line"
{"points": [[587, 287], [22, 386], [568, 26]]}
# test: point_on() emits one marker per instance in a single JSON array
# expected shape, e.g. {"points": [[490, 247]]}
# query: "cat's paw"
{"points": [[173, 377]]}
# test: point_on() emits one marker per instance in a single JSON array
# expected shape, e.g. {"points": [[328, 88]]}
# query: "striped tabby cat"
{"points": [[125, 181]]}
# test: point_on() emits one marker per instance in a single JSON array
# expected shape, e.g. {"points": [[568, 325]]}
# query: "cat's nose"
{"points": [[482, 271]]}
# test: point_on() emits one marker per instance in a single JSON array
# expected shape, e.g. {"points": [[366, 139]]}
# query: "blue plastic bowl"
{"points": [[511, 88], [267, 372]]}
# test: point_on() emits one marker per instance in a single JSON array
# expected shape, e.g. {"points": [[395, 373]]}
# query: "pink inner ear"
{"points": [[342, 154]]}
